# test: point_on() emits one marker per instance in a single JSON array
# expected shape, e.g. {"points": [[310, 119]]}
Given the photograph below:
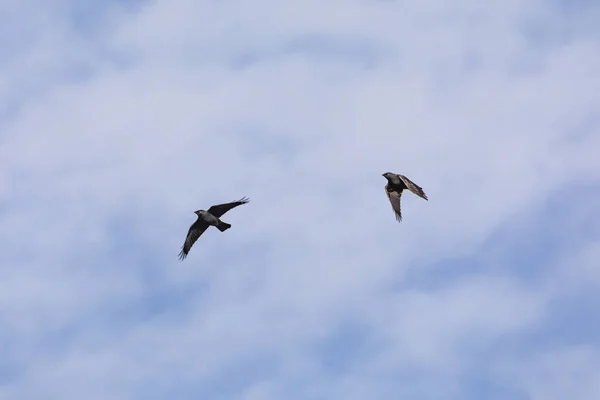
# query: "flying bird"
{"points": [[396, 184], [206, 219]]}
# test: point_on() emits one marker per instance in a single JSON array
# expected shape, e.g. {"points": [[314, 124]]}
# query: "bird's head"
{"points": [[388, 175], [198, 212]]}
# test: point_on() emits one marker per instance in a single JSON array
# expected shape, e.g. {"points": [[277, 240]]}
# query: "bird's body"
{"points": [[396, 184], [206, 219]]}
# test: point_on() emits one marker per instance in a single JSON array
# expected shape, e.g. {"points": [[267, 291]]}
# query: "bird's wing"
{"points": [[413, 187], [220, 209], [394, 197], [194, 233]]}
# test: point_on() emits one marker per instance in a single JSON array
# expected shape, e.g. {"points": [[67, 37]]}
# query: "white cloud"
{"points": [[300, 108]]}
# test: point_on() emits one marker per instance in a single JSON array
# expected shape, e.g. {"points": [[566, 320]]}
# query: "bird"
{"points": [[396, 184], [210, 217]]}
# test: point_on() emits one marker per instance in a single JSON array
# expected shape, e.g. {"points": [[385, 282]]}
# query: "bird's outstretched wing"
{"points": [[220, 209], [194, 233], [413, 187], [394, 197]]}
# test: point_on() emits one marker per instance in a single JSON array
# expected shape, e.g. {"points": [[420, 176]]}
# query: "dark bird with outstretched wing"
{"points": [[396, 184], [206, 219]]}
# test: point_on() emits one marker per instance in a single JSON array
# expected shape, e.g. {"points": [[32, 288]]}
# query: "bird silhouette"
{"points": [[211, 217], [396, 184]]}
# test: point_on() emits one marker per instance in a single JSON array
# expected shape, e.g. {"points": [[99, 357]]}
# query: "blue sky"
{"points": [[119, 119]]}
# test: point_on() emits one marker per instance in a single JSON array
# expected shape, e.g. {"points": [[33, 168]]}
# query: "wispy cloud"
{"points": [[119, 119]]}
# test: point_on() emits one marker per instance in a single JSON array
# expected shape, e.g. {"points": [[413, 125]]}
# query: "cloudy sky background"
{"points": [[118, 119]]}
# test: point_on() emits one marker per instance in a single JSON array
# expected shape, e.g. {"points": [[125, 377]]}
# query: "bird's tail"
{"points": [[223, 226]]}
